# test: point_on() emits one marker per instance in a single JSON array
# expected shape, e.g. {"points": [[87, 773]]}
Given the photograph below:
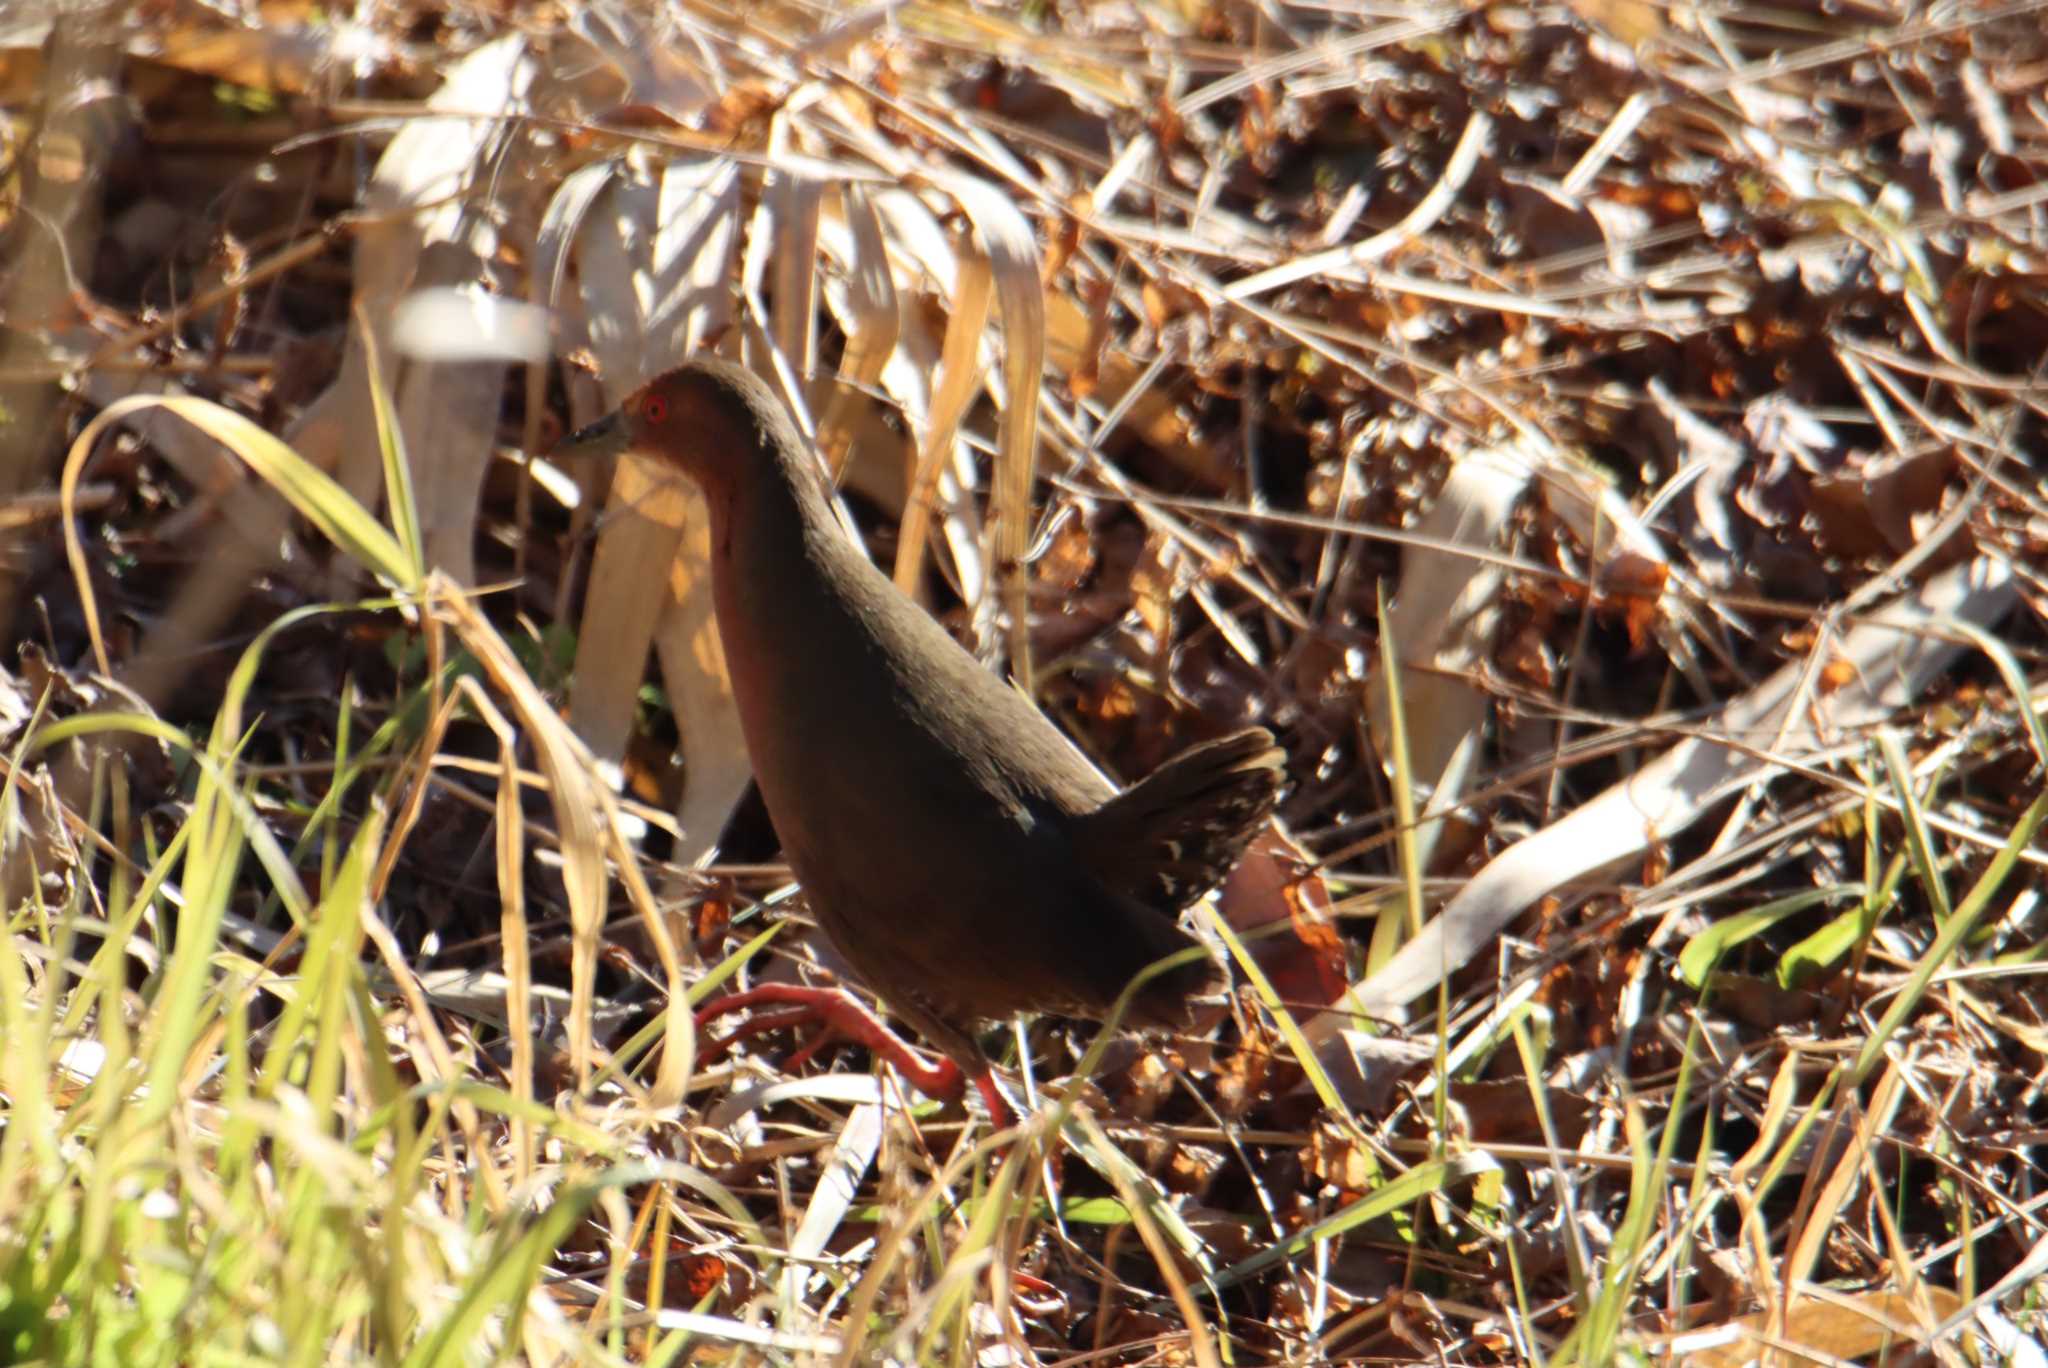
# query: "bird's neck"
{"points": [[776, 546], [787, 582], [778, 505]]}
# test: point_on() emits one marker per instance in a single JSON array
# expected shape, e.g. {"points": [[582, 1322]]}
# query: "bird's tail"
{"points": [[1173, 835]]}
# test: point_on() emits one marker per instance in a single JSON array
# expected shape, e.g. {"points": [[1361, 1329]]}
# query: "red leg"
{"points": [[999, 1113], [842, 1017]]}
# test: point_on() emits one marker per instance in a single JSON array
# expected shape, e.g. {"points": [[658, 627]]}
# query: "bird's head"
{"points": [[712, 421]]}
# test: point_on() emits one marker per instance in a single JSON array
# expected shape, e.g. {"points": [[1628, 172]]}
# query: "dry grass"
{"points": [[1601, 440]]}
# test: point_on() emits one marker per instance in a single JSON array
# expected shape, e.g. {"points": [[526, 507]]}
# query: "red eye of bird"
{"points": [[654, 409]]}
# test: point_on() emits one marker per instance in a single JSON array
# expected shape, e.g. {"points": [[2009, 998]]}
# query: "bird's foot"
{"points": [[839, 1016]]}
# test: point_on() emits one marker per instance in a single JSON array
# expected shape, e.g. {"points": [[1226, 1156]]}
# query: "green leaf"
{"points": [[1696, 962]]}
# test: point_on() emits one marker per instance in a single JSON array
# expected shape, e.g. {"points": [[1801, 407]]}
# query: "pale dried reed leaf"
{"points": [[1442, 623], [1012, 249], [916, 236], [688, 279], [838, 37], [914, 374], [654, 255], [1894, 655], [485, 994], [417, 200], [631, 271], [1583, 175], [1823, 1326], [840, 1175], [448, 414], [922, 251], [657, 71], [632, 583], [959, 380], [454, 323], [1134, 161], [560, 226], [727, 1330], [919, 257], [865, 303], [786, 228], [859, 1089], [693, 671]]}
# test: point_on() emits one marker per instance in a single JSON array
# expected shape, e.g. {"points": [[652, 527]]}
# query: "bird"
{"points": [[964, 857]]}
